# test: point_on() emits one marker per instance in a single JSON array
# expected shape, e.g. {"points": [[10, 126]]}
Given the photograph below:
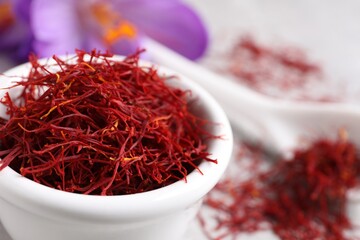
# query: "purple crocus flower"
{"points": [[15, 33], [59, 27]]}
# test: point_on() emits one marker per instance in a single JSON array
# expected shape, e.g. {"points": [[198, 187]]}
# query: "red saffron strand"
{"points": [[278, 71], [260, 66], [303, 198], [101, 126]]}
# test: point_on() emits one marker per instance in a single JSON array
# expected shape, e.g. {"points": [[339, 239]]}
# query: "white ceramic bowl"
{"points": [[30, 211]]}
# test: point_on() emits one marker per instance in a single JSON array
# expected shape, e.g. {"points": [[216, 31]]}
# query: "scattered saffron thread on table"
{"points": [[302, 198], [103, 127], [281, 72]]}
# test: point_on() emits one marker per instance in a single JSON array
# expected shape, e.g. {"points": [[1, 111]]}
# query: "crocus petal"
{"points": [[168, 21], [126, 46], [17, 38], [22, 9], [92, 42], [12, 36], [55, 27], [10, 26]]}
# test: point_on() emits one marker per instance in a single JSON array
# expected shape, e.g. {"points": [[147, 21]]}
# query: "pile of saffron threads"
{"points": [[271, 70], [101, 127], [302, 198]]}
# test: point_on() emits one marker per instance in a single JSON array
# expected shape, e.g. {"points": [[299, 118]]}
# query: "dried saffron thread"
{"points": [[278, 71], [101, 126], [259, 66], [303, 198]]}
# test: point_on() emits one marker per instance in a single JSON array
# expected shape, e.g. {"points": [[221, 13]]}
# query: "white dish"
{"points": [[29, 210]]}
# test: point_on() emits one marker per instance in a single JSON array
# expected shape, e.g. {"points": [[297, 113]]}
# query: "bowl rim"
{"points": [[43, 200]]}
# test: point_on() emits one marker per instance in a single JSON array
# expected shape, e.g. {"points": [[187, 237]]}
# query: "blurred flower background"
{"points": [[322, 35], [48, 27]]}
